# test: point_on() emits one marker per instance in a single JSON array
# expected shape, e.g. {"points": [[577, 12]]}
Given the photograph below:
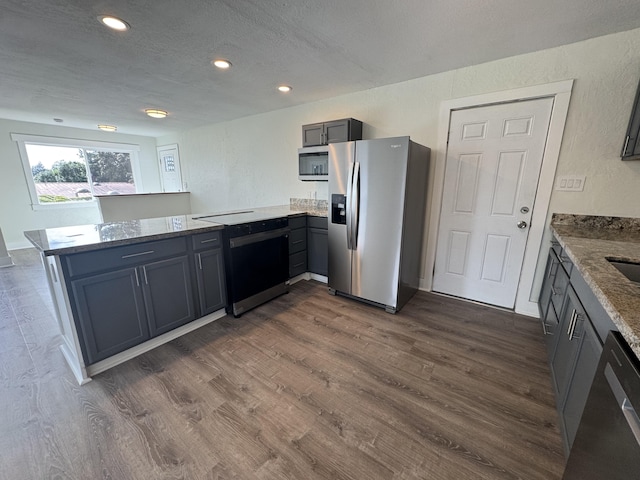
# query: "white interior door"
{"points": [[170, 175], [491, 177]]}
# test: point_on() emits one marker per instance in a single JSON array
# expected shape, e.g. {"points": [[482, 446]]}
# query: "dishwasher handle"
{"points": [[630, 414], [259, 237]]}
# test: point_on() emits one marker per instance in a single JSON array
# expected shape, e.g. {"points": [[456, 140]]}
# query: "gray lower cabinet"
{"points": [[168, 296], [211, 281], [297, 245], [110, 313], [575, 326], [318, 245], [570, 331], [123, 296], [586, 363], [120, 309]]}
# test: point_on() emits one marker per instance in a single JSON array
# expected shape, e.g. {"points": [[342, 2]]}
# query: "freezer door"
{"points": [[375, 263], [341, 157]]}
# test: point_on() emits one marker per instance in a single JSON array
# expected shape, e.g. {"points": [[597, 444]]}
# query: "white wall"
{"points": [[16, 213], [252, 161]]}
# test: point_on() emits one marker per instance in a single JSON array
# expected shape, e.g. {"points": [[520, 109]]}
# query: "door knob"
{"points": [[521, 224]]}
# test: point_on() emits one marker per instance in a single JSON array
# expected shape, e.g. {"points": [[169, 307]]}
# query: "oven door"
{"points": [[257, 263]]}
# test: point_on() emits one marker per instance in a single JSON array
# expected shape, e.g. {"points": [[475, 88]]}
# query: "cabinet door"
{"points": [[578, 391], [551, 328], [631, 147], [571, 327], [336, 131], [547, 283], [559, 288], [318, 251], [110, 311], [212, 293], [168, 296], [313, 135], [297, 263], [297, 240]]}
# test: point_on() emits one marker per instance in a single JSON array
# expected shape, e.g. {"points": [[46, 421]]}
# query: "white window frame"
{"points": [[22, 139]]}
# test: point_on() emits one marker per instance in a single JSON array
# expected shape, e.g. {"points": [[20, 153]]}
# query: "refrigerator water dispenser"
{"points": [[338, 209]]}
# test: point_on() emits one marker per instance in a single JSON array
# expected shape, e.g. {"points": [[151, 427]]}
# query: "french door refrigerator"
{"points": [[377, 190]]}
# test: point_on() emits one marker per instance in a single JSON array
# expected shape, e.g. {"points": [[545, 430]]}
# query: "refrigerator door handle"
{"points": [[349, 205], [355, 206]]}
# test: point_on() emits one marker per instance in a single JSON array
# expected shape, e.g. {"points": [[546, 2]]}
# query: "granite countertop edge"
{"points": [[619, 297], [193, 226]]}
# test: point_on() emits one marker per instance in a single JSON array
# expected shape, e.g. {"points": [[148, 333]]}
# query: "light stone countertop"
{"points": [[82, 238], [589, 243]]}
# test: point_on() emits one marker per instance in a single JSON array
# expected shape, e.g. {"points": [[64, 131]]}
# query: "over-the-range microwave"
{"points": [[313, 163]]}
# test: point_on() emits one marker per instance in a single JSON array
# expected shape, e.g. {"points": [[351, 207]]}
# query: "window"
{"points": [[71, 172]]}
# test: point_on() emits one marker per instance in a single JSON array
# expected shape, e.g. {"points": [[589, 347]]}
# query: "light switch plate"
{"points": [[570, 183]]}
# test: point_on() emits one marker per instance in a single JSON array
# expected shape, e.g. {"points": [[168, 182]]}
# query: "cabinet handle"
{"points": [[573, 330], [138, 254], [210, 240], [298, 265], [573, 317], [137, 278], [297, 241], [146, 280], [626, 144], [544, 329], [200, 261], [553, 291]]}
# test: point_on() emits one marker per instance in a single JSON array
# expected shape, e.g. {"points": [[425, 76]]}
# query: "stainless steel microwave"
{"points": [[313, 163]]}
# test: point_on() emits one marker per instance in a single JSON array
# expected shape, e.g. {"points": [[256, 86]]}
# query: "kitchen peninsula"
{"points": [[122, 288]]}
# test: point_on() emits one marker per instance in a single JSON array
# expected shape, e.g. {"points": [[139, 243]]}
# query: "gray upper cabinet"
{"points": [[344, 130], [631, 147]]}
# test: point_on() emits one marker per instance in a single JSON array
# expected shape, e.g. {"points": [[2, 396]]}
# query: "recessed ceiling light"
{"points": [[284, 88], [155, 113], [108, 128], [221, 63], [114, 23]]}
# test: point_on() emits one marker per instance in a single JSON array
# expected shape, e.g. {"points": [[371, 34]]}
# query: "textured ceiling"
{"points": [[56, 60]]}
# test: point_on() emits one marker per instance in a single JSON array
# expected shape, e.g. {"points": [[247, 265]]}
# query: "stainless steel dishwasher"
{"points": [[257, 261], [607, 444]]}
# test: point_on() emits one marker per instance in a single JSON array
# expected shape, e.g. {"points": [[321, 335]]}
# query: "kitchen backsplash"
{"points": [[596, 221], [308, 204]]}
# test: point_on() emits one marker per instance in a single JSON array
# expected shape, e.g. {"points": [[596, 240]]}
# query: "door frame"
{"points": [[526, 299]]}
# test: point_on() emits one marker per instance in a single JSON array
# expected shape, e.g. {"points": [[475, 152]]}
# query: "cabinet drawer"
{"points": [[297, 222], [559, 288], [297, 240], [118, 257], [201, 241], [297, 263], [318, 222], [600, 319], [564, 259]]}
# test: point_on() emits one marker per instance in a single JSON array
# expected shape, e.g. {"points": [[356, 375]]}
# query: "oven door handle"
{"points": [[258, 237]]}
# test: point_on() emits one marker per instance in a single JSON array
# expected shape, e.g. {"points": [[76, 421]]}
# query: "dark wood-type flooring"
{"points": [[308, 386]]}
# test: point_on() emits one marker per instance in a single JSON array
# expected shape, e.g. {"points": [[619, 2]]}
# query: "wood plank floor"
{"points": [[308, 386]]}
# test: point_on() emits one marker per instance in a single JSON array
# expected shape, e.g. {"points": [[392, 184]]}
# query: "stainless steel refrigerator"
{"points": [[377, 194]]}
